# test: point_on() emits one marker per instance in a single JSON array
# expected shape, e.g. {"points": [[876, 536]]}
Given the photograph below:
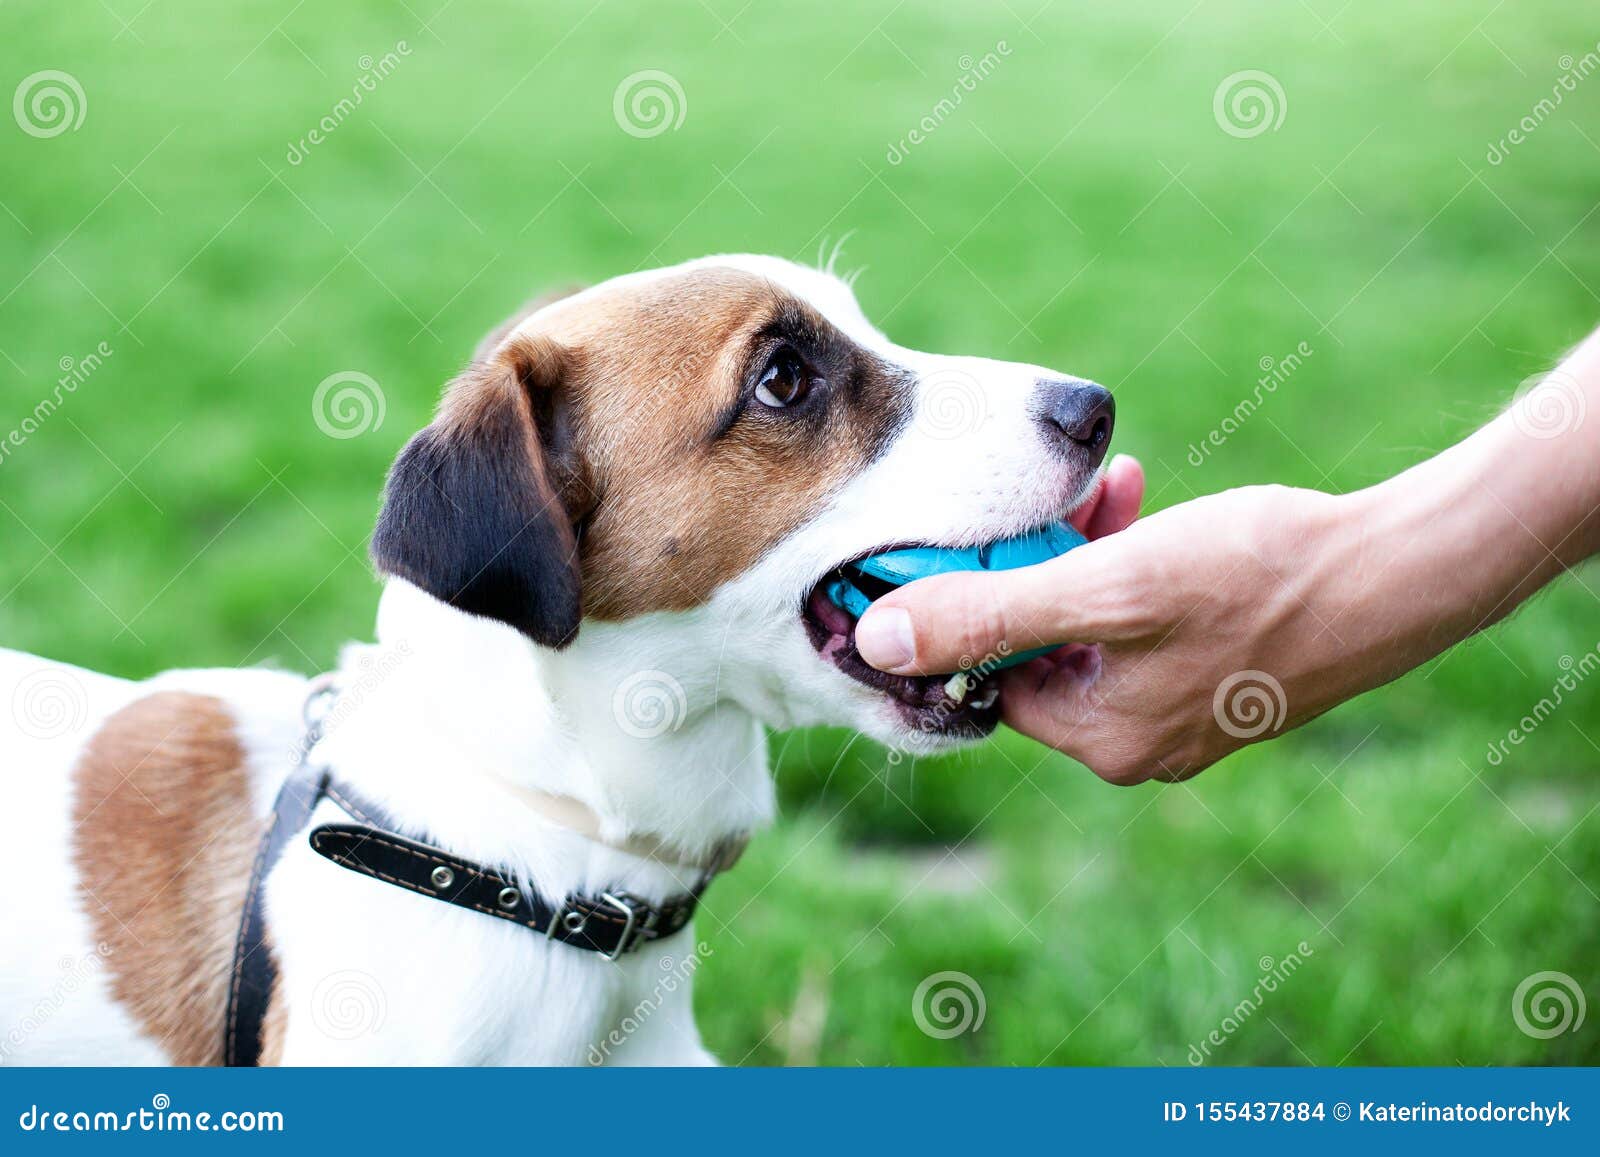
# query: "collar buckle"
{"points": [[634, 930]]}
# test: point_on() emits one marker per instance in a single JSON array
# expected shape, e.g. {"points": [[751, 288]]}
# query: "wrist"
{"points": [[1454, 544]]}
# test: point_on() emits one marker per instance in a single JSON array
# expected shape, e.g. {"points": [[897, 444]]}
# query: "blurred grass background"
{"points": [[1080, 208]]}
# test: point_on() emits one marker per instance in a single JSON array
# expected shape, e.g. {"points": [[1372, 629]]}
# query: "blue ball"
{"points": [[894, 568]]}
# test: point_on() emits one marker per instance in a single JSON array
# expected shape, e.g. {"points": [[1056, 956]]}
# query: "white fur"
{"points": [[446, 715]]}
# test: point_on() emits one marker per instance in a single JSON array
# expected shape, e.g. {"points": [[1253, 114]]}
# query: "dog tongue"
{"points": [[835, 619]]}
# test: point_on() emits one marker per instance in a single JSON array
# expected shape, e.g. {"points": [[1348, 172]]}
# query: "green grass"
{"points": [[1080, 208]]}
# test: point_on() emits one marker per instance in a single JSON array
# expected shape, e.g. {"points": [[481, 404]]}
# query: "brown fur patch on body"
{"points": [[165, 838]]}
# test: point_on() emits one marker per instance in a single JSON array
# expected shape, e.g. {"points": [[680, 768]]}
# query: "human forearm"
{"points": [[1454, 544]]}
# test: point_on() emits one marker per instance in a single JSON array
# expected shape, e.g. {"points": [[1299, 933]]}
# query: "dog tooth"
{"points": [[957, 686], [986, 700]]}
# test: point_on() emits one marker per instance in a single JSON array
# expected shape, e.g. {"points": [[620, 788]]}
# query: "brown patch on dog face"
{"points": [[613, 454], [165, 838], [692, 477]]}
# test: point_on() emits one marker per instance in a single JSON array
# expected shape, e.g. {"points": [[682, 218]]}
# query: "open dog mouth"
{"points": [[960, 706]]}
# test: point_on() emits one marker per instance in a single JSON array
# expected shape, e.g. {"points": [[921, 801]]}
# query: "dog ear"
{"points": [[473, 511], [496, 337]]}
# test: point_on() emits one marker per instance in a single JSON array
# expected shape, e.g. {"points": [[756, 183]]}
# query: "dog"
{"points": [[603, 563]]}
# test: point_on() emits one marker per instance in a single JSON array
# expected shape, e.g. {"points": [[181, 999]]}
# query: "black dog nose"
{"points": [[1076, 414]]}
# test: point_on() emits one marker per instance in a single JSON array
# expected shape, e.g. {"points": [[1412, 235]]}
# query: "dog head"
{"points": [[689, 453]]}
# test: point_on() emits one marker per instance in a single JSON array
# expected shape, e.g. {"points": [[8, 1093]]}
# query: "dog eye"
{"points": [[785, 381]]}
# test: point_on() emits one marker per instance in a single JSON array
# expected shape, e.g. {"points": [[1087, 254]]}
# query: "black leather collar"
{"points": [[614, 924], [611, 925]]}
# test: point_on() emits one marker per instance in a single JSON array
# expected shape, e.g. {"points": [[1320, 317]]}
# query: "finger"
{"points": [[932, 625], [1080, 518], [1117, 503], [1112, 484]]}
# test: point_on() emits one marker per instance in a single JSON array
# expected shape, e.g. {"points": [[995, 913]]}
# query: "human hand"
{"points": [[1233, 617], [1189, 633]]}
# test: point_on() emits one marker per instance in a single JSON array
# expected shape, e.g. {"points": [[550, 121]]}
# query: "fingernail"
{"points": [[884, 638]]}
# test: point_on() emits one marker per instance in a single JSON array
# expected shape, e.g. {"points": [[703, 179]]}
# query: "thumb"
{"points": [[952, 621]]}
